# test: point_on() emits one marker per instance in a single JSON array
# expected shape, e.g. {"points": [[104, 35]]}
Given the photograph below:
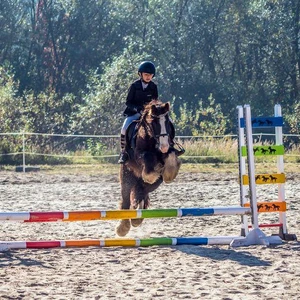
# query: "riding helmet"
{"points": [[147, 67]]}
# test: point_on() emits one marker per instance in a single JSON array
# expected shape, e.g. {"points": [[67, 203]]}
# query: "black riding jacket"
{"points": [[137, 97]]}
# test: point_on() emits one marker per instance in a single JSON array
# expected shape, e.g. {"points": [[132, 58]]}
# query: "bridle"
{"points": [[149, 128], [157, 136], [150, 131]]}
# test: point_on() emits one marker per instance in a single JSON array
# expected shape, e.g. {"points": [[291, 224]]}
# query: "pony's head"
{"points": [[157, 116]]}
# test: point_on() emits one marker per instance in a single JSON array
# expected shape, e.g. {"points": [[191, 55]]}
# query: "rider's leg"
{"points": [[123, 155], [179, 151]]}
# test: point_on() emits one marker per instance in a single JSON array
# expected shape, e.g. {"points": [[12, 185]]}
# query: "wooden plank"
{"points": [[265, 179], [261, 122], [266, 207], [264, 150]]}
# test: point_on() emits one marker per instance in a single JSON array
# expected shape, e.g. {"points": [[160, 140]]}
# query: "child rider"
{"points": [[141, 92]]}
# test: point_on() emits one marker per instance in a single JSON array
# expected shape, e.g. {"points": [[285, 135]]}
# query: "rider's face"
{"points": [[147, 77]]}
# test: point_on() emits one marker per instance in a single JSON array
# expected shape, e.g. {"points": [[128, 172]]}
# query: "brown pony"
{"points": [[154, 160]]}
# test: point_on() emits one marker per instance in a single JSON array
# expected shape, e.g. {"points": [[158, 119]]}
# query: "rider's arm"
{"points": [[130, 96], [130, 100]]}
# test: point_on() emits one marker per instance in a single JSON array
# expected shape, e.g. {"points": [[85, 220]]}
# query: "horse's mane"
{"points": [[152, 102], [148, 108]]}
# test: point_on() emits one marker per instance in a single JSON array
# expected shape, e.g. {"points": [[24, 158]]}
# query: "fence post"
{"points": [[24, 166]]}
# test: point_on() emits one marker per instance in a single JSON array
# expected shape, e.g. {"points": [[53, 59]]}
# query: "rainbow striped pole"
{"points": [[220, 240], [121, 214]]}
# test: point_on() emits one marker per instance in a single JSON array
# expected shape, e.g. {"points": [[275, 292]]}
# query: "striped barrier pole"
{"points": [[160, 241], [121, 214]]}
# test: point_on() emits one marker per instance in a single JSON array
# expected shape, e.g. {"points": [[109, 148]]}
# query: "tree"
{"points": [[102, 109]]}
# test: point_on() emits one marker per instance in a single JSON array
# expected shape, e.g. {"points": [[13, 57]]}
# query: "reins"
{"points": [[149, 127], [150, 131]]}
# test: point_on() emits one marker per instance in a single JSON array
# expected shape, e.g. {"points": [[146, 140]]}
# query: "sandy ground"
{"points": [[159, 272]]}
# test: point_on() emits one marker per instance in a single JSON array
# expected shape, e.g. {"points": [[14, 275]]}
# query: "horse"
{"points": [[153, 160]]}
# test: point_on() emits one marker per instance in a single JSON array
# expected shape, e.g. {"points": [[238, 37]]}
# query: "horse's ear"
{"points": [[153, 110], [167, 106]]}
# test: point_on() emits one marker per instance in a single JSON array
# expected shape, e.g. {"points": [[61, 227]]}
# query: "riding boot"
{"points": [[123, 155]]}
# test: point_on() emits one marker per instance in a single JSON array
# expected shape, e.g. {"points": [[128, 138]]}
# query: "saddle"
{"points": [[130, 136]]}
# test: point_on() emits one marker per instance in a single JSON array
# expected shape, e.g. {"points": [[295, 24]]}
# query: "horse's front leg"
{"points": [[151, 167], [171, 167], [139, 199]]}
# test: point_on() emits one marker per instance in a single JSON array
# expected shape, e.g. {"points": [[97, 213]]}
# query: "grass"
{"points": [[110, 169], [204, 155]]}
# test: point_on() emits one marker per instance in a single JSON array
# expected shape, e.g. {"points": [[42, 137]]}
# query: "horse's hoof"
{"points": [[123, 228], [136, 222], [169, 177]]}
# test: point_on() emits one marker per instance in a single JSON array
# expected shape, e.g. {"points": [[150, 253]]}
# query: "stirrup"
{"points": [[123, 158], [179, 152]]}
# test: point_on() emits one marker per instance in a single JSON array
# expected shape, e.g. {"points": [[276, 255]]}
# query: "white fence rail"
{"points": [[25, 136]]}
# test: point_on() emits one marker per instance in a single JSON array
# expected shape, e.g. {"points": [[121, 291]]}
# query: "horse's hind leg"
{"points": [[124, 225], [139, 200]]}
